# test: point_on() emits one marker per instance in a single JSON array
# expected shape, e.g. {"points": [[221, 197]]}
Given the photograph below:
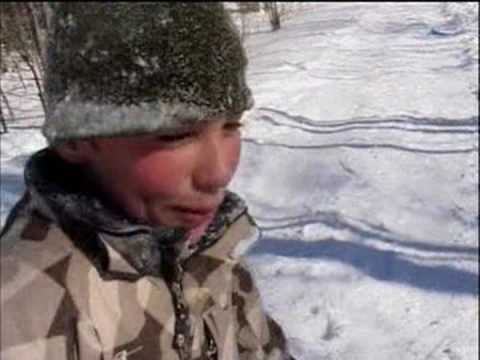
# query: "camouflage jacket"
{"points": [[81, 282]]}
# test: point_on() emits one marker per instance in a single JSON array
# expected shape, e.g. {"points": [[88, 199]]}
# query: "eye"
{"points": [[232, 126], [174, 138]]}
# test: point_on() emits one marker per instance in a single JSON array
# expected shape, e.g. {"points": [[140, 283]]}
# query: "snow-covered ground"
{"points": [[360, 164]]}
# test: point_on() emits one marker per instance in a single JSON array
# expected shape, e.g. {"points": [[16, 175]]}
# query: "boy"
{"points": [[126, 244]]}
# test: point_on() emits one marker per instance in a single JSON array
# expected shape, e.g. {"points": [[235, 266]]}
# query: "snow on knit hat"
{"points": [[119, 68]]}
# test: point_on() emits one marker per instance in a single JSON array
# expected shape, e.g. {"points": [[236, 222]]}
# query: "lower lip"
{"points": [[194, 219]]}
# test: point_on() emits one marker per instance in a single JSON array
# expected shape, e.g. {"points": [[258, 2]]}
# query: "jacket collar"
{"points": [[64, 193]]}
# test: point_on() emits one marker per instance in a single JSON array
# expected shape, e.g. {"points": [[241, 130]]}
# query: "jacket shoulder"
{"points": [[32, 251], [34, 261], [35, 241], [237, 240]]}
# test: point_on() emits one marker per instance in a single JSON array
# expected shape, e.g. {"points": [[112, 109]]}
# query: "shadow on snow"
{"points": [[385, 265], [363, 230]]}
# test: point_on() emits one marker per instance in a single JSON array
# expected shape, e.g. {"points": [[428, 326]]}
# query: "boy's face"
{"points": [[175, 180]]}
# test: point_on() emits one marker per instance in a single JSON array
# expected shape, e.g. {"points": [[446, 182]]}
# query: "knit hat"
{"points": [[119, 68]]}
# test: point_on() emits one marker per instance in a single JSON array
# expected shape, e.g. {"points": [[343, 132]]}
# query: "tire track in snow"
{"points": [[403, 133], [437, 129], [403, 119], [363, 229], [360, 146]]}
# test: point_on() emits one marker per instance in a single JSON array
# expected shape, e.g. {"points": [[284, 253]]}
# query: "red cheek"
{"points": [[160, 174]]}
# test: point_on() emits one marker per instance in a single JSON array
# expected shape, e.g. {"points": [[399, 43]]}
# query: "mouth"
{"points": [[195, 216]]}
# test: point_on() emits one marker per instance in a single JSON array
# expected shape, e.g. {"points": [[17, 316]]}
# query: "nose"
{"points": [[217, 161]]}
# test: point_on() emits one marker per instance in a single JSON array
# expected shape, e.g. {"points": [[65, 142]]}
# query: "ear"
{"points": [[75, 151]]}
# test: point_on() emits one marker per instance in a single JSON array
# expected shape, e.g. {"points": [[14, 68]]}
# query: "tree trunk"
{"points": [[274, 16], [271, 9], [2, 122], [2, 117], [39, 33]]}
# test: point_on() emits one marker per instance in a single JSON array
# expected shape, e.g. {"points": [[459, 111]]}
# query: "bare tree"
{"points": [[2, 117], [271, 8], [240, 11], [23, 34]]}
